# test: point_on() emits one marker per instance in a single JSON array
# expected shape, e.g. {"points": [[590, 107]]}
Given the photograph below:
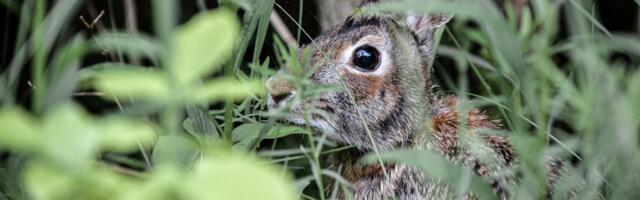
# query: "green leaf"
{"points": [[224, 88], [66, 56], [283, 130], [94, 71], [124, 135], [69, 137], [175, 149], [56, 21], [162, 185], [19, 130], [63, 71], [252, 130], [236, 177], [46, 182], [252, 19], [131, 44], [203, 44], [43, 183], [134, 83], [246, 134], [199, 122]]}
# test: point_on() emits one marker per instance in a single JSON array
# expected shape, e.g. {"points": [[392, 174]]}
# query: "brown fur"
{"points": [[389, 107], [445, 132]]}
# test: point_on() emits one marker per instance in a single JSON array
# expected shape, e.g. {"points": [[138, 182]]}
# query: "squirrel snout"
{"points": [[279, 90]]}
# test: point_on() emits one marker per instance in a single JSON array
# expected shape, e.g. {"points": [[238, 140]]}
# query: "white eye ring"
{"points": [[373, 41]]}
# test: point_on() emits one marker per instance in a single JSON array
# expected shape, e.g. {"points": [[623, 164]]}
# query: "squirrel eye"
{"points": [[366, 58]]}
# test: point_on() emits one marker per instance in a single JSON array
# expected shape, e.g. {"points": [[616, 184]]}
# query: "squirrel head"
{"points": [[382, 64]]}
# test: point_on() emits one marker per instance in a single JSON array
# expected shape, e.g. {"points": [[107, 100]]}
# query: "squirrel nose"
{"points": [[279, 90]]}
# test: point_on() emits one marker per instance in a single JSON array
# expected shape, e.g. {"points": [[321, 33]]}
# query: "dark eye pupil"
{"points": [[366, 58]]}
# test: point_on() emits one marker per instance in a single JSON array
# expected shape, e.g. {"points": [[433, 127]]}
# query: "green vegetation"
{"points": [[191, 122]]}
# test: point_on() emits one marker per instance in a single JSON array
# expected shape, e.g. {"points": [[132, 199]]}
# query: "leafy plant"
{"points": [[62, 147], [188, 120]]}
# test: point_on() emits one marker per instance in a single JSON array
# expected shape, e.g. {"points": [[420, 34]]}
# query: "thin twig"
{"points": [[96, 26], [519, 4], [132, 24], [282, 29], [83, 94], [91, 25]]}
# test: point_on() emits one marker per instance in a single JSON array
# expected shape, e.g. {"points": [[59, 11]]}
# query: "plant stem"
{"points": [[37, 73]]}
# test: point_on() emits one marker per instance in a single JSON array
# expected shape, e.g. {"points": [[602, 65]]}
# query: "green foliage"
{"points": [[58, 152], [194, 54], [191, 123]]}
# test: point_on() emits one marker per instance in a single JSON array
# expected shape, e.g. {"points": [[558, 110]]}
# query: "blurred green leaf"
{"points": [[224, 88], [175, 149], [93, 71], [67, 55], [46, 182], [634, 92], [134, 83], [131, 44], [162, 185], [124, 135], [236, 177], [64, 71], [43, 183], [69, 137], [203, 44], [19, 130]]}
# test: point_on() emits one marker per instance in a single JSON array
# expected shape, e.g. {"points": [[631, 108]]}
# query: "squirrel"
{"points": [[390, 102]]}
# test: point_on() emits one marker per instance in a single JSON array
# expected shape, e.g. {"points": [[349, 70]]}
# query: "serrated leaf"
{"points": [[203, 44]]}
